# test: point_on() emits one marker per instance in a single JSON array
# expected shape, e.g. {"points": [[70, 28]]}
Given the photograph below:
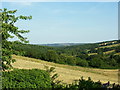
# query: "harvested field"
{"points": [[68, 73]]}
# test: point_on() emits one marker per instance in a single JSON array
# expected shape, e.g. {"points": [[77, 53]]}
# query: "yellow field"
{"points": [[108, 52], [114, 45], [92, 54], [117, 54], [105, 47], [68, 73]]}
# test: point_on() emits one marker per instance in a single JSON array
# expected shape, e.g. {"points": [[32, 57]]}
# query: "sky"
{"points": [[67, 22]]}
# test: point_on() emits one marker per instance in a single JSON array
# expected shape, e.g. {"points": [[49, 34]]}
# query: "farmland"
{"points": [[71, 72]]}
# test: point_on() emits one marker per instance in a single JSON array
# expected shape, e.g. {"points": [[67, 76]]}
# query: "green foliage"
{"points": [[117, 49], [9, 30], [100, 51], [42, 80], [52, 56], [88, 84], [55, 83], [96, 62], [72, 55], [83, 63], [70, 60], [82, 55], [21, 78], [83, 84], [113, 62]]}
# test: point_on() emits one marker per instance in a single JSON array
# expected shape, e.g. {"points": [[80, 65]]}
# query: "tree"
{"points": [[52, 56], [82, 62], [100, 51], [9, 30], [97, 62], [117, 49], [29, 79]]}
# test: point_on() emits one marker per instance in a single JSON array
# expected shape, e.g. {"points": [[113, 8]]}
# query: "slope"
{"points": [[68, 73]]}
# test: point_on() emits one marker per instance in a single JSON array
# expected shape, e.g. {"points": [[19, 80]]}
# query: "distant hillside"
{"points": [[62, 44], [97, 55], [107, 47], [104, 43]]}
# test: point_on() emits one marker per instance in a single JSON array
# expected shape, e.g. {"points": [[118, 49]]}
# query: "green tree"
{"points": [[117, 49], [70, 60], [52, 56], [9, 30], [82, 62], [26, 79], [100, 51], [96, 62]]}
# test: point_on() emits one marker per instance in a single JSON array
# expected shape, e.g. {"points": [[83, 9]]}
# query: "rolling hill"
{"points": [[68, 73], [96, 55], [61, 44]]}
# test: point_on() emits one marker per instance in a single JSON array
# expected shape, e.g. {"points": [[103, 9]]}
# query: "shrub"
{"points": [[83, 84], [96, 62], [83, 63], [21, 78], [87, 84]]}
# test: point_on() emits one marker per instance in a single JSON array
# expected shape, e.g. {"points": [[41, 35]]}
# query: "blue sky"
{"points": [[67, 22]]}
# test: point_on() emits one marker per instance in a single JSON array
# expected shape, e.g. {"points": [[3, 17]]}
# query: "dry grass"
{"points": [[109, 46], [92, 54], [114, 45], [68, 73], [117, 54], [109, 52]]}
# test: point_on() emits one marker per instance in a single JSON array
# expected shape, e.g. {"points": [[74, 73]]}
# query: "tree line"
{"points": [[71, 55]]}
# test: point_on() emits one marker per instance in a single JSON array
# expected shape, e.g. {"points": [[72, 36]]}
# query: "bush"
{"points": [[117, 49], [83, 63], [83, 84], [87, 84], [21, 78], [96, 62]]}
